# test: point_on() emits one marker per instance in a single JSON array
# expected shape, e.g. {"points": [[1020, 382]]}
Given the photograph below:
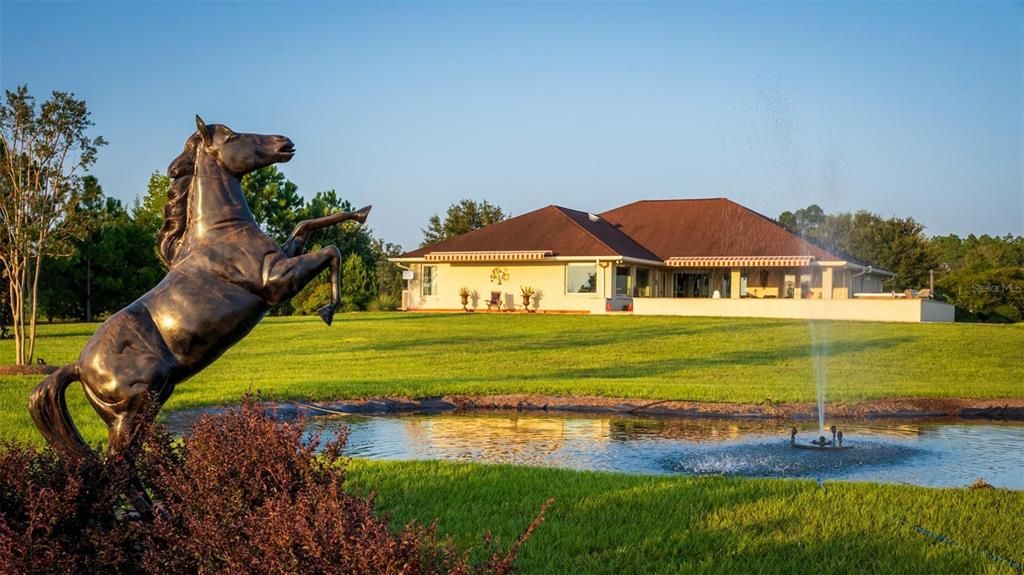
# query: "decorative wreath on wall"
{"points": [[499, 275]]}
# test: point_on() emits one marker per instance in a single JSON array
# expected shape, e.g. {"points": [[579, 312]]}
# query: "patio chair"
{"points": [[495, 301]]}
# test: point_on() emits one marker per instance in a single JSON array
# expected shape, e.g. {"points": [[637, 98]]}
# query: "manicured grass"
{"points": [[701, 359], [611, 523]]}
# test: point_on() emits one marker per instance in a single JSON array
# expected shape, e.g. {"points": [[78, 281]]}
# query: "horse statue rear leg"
{"points": [[126, 407], [303, 268], [119, 405], [123, 431]]}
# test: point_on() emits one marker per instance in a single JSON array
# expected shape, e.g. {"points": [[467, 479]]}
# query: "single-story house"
{"points": [[707, 257]]}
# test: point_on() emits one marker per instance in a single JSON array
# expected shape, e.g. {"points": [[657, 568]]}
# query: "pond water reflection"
{"points": [[933, 452]]}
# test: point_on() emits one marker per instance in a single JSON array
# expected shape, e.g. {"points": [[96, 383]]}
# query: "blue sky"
{"points": [[902, 109]]}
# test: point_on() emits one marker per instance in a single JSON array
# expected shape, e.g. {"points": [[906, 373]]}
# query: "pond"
{"points": [[928, 452]]}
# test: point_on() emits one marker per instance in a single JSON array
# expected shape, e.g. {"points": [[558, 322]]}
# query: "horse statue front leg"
{"points": [[288, 276], [297, 241]]}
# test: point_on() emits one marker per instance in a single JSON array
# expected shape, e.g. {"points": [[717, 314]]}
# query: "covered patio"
{"points": [[765, 277]]}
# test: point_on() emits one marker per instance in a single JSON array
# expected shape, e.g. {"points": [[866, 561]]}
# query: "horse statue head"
{"points": [[239, 153], [213, 151]]}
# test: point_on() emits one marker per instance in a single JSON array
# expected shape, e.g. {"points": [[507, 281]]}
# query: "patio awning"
{"points": [[741, 262], [502, 256]]}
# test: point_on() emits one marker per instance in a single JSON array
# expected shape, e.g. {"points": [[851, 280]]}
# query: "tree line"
{"points": [[982, 275]]}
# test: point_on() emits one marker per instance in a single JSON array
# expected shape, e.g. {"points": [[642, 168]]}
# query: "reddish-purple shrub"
{"points": [[57, 517], [244, 493]]}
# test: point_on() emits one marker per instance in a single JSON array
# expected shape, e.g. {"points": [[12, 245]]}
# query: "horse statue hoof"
{"points": [[362, 213], [326, 313]]}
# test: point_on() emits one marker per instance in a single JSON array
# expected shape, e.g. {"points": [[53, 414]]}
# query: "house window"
{"points": [[581, 278], [622, 280], [643, 283], [429, 283]]}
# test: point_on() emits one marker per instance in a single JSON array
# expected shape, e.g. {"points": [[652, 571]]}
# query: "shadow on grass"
{"points": [[744, 358], [498, 340], [632, 365]]}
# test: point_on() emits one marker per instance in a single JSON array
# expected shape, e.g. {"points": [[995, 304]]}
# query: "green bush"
{"points": [[355, 284], [312, 298], [384, 302]]}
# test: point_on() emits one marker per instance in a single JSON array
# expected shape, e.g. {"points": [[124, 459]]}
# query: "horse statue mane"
{"points": [[224, 274], [175, 223]]}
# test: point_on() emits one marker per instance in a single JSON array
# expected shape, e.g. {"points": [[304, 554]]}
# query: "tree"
{"points": [[805, 221], [43, 152], [388, 275], [464, 216], [898, 245], [149, 211], [274, 201], [355, 284], [895, 244], [63, 298], [111, 265], [984, 275]]}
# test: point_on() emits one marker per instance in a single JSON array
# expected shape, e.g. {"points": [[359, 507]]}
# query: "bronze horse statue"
{"points": [[224, 275]]}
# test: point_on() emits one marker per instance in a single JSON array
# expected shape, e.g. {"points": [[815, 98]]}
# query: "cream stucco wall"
{"points": [[894, 310], [547, 278]]}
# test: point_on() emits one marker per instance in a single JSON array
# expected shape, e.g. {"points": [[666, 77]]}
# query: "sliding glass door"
{"points": [[691, 284]]}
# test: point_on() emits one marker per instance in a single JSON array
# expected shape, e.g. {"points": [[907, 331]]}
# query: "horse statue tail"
{"points": [[49, 410]]}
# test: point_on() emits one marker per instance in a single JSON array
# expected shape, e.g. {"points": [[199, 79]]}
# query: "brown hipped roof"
{"points": [[714, 227], [561, 231], [675, 231]]}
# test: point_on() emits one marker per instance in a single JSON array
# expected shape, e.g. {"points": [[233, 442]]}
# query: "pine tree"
{"points": [[355, 284]]}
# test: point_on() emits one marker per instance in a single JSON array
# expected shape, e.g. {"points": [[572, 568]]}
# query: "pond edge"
{"points": [[991, 409]]}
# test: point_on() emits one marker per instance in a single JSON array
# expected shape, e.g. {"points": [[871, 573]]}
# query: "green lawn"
{"points": [[612, 523], [701, 359], [609, 523]]}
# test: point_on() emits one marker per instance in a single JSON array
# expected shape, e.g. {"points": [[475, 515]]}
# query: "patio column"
{"points": [[734, 283], [826, 283]]}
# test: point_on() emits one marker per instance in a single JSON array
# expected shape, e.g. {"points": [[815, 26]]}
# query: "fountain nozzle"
{"points": [[822, 442]]}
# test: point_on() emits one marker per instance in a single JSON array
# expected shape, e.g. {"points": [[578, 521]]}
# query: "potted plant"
{"points": [[527, 293], [464, 293]]}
